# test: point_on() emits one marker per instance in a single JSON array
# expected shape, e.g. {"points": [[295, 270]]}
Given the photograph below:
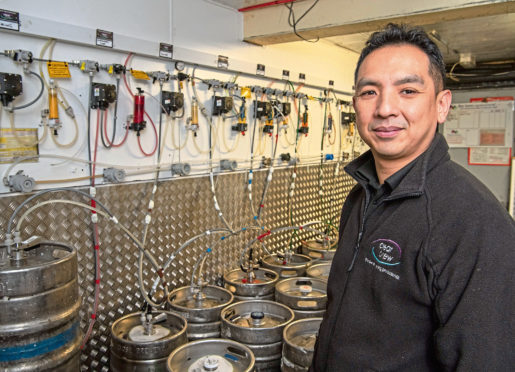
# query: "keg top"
{"points": [[318, 244], [211, 355], [319, 271], [257, 314], [303, 287], [263, 277], [207, 298], [296, 260], [42, 254]]}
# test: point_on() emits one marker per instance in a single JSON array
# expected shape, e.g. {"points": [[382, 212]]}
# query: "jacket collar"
{"points": [[413, 183]]}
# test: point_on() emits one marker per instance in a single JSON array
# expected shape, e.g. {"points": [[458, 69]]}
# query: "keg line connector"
{"points": [[148, 321]]}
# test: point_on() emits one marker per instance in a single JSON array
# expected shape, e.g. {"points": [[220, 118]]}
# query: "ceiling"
{"points": [[489, 39]]}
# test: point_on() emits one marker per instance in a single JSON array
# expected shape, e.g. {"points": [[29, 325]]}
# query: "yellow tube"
{"points": [[53, 102]]}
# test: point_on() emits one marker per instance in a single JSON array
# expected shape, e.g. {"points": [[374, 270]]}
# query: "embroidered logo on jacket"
{"points": [[386, 252]]}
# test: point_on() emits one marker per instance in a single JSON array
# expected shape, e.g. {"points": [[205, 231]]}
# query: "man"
{"points": [[423, 276]]}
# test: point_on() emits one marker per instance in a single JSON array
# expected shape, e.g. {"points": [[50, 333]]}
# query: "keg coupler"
{"points": [[149, 330], [16, 248], [285, 256]]}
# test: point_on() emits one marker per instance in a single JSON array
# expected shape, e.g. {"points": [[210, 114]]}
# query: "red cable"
{"points": [[97, 245], [265, 5], [107, 138], [146, 114]]}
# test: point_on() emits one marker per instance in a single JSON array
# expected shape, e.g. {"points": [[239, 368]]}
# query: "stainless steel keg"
{"points": [[259, 325], [201, 307], [39, 317], [142, 342], [214, 355], [318, 250], [287, 266], [307, 297], [256, 284], [320, 271], [299, 344]]}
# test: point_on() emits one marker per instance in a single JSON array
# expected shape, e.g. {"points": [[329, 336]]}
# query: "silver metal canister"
{"points": [[259, 325], [142, 342], [39, 317], [201, 307], [258, 284], [307, 297], [320, 271], [288, 266], [211, 355], [299, 344]]}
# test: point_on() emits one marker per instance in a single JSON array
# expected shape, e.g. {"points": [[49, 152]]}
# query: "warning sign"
{"points": [[136, 74], [58, 70]]}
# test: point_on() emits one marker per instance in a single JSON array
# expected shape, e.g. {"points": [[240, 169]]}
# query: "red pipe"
{"points": [[265, 5]]}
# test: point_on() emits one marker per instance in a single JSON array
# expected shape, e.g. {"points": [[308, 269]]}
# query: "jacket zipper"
{"points": [[356, 249], [360, 234]]}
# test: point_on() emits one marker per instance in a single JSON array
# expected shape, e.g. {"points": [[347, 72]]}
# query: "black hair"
{"points": [[395, 34]]}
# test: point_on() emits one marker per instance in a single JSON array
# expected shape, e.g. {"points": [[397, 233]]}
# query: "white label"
{"points": [[105, 43], [10, 25], [164, 54]]}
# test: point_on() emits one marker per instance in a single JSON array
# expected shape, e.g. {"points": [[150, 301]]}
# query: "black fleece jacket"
{"points": [[424, 279]]}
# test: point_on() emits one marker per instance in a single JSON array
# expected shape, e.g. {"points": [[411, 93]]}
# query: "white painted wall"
{"points": [[200, 31]]}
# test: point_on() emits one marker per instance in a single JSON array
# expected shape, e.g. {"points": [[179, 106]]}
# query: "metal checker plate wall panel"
{"points": [[183, 208]]}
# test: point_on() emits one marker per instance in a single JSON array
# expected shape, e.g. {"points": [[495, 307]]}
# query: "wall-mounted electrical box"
{"points": [[172, 101], [10, 87], [102, 95], [222, 105]]}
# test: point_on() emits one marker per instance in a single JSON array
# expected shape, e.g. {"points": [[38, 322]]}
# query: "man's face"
{"points": [[397, 108]]}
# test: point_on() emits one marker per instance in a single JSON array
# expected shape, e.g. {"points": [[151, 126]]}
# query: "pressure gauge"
{"points": [[179, 65]]}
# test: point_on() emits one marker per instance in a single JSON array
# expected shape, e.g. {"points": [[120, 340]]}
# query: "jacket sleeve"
{"points": [[473, 290]]}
